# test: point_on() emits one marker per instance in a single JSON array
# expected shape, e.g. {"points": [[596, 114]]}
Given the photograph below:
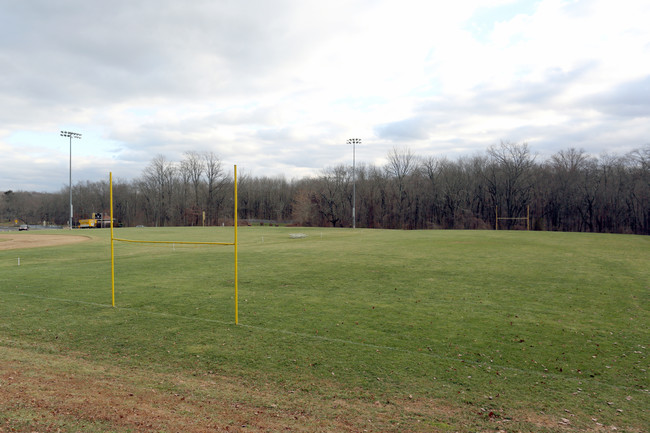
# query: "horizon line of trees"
{"points": [[570, 191]]}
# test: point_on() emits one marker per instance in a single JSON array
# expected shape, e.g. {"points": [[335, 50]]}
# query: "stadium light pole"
{"points": [[71, 135], [354, 142]]}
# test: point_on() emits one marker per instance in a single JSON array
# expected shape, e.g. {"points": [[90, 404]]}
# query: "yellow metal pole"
{"points": [[496, 221], [528, 217], [110, 181], [236, 270]]}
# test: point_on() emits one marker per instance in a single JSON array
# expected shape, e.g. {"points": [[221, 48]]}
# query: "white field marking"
{"points": [[331, 340]]}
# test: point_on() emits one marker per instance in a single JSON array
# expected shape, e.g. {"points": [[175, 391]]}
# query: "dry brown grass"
{"points": [[49, 392], [67, 392], [12, 241]]}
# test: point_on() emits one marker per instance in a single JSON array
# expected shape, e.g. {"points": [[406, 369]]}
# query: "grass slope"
{"points": [[527, 331]]}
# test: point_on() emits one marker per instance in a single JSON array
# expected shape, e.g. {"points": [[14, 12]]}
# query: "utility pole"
{"points": [[71, 135]]}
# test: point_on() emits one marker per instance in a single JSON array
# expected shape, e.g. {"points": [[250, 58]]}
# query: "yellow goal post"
{"points": [[235, 243], [526, 218]]}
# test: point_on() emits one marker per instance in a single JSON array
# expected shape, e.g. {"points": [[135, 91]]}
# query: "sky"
{"points": [[278, 87]]}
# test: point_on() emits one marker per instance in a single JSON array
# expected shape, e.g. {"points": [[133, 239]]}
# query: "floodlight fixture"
{"points": [[70, 135]]}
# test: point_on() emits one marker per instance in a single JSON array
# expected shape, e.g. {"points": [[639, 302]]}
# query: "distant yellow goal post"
{"points": [[526, 218], [235, 244]]}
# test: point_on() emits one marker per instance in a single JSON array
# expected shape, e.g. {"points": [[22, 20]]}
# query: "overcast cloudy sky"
{"points": [[278, 86]]}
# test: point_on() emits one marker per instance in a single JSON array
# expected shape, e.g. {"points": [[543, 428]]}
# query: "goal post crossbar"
{"points": [[526, 218], [235, 244], [173, 242]]}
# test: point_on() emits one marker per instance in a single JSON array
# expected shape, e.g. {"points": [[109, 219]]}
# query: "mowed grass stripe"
{"points": [[313, 337]]}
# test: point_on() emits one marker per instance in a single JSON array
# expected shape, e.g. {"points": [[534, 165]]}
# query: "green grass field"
{"points": [[376, 330]]}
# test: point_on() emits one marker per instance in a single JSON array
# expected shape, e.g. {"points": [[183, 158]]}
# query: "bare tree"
{"points": [[509, 176], [431, 169], [335, 195], [638, 193], [402, 163], [562, 178], [194, 166], [127, 204], [156, 183], [302, 207], [215, 180]]}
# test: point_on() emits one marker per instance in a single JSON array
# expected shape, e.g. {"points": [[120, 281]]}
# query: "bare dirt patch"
{"points": [[15, 241], [57, 392], [61, 393]]}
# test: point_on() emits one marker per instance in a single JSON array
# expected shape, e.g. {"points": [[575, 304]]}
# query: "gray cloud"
{"points": [[84, 52], [630, 99], [277, 87], [414, 128], [442, 116]]}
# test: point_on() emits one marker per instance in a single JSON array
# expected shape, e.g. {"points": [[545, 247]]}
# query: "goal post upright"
{"points": [[110, 182], [236, 259]]}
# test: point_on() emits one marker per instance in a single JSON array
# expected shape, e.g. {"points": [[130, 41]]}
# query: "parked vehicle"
{"points": [[97, 221]]}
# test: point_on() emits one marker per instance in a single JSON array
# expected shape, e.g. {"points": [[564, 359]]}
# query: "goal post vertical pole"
{"points": [[110, 181], [236, 243]]}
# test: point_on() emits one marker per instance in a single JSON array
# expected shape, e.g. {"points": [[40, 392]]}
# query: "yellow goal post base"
{"points": [[235, 243]]}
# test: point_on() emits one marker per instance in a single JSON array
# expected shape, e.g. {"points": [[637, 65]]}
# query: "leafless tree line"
{"points": [[570, 191]]}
